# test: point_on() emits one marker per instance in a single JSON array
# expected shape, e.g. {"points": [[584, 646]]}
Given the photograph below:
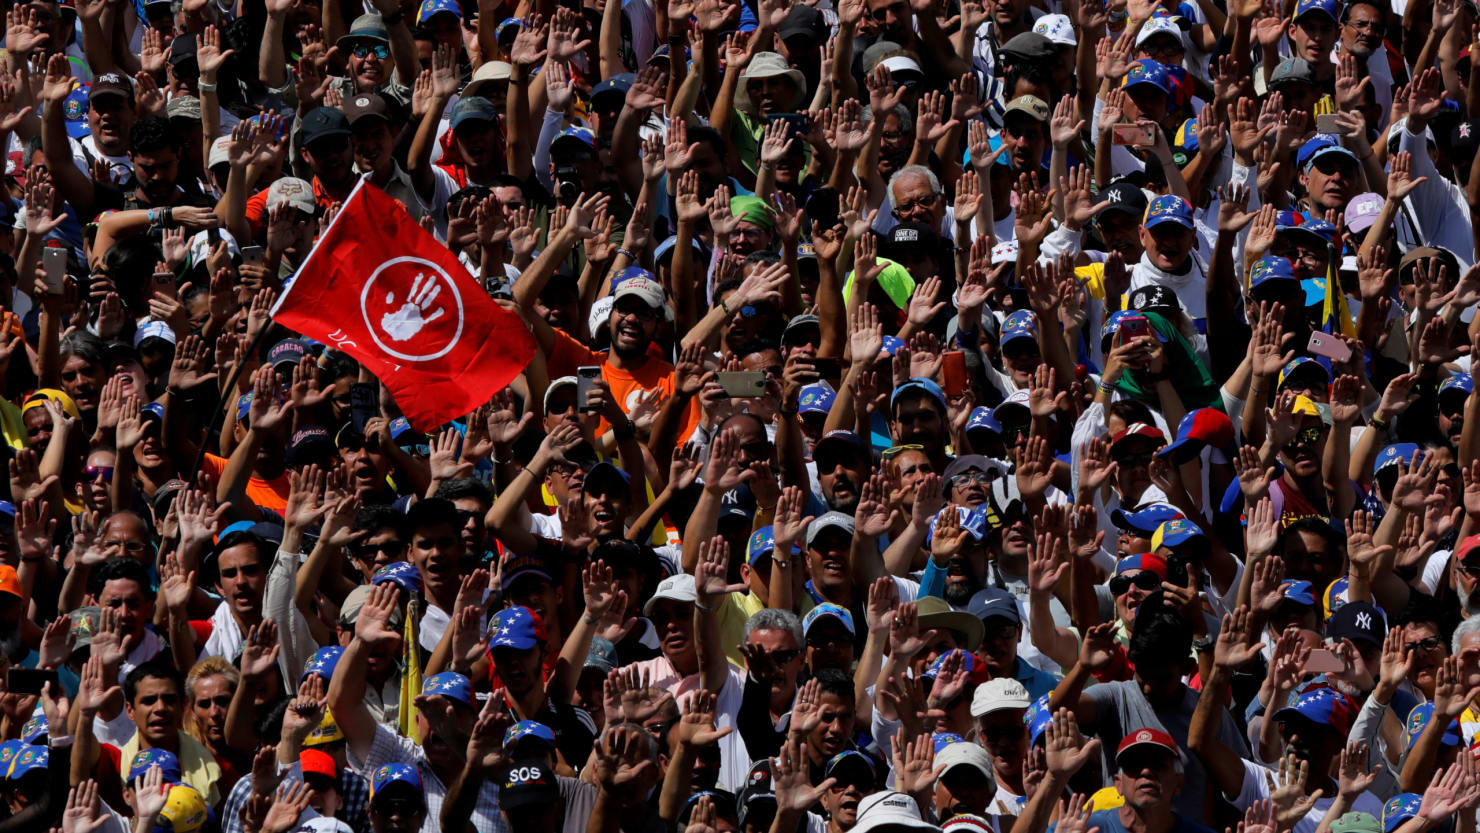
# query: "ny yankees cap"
{"points": [[1359, 622]]}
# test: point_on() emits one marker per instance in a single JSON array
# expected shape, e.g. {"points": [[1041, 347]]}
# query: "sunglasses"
{"points": [[1132, 460], [94, 472], [783, 657], [900, 449], [1429, 644], [1306, 436], [365, 551], [365, 50], [1145, 580]]}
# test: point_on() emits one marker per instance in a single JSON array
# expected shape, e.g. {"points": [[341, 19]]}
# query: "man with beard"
{"points": [[518, 648], [1313, 728], [1150, 775], [444, 721], [1452, 395], [1156, 698], [843, 465], [1363, 25], [323, 143]]}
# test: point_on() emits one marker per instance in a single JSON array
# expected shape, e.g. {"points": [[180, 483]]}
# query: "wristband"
{"points": [[169, 217], [700, 606], [204, 87], [1379, 424], [630, 255], [1106, 387]]}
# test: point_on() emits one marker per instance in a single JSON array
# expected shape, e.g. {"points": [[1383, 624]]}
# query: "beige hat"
{"points": [[220, 152], [350, 610], [1031, 105], [294, 191], [769, 65], [489, 72], [998, 694]]}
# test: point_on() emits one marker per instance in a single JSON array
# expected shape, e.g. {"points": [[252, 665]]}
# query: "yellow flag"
{"points": [[1335, 316], [410, 676]]}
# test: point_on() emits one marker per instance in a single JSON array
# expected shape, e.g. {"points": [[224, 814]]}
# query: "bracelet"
{"points": [[1379, 424], [169, 217], [725, 305], [700, 605], [531, 472], [1106, 387], [154, 216], [626, 432], [782, 564], [791, 414], [628, 253], [204, 87]]}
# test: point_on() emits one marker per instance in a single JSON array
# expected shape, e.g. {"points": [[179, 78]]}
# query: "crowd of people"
{"points": [[976, 416]]}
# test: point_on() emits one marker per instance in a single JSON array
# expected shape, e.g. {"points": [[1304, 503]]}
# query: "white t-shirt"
{"points": [[1256, 788]]}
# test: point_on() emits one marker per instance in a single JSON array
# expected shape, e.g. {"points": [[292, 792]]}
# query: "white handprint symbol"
{"points": [[409, 320]]}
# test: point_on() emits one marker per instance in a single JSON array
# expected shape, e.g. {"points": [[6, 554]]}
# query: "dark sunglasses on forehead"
{"points": [[1145, 580], [892, 450]]}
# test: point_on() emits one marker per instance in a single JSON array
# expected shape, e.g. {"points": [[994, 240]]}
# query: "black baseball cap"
{"points": [[321, 123], [1123, 196]]}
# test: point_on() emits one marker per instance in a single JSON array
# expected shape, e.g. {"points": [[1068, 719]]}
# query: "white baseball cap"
{"points": [[891, 810], [968, 754], [677, 588], [998, 694], [1161, 26], [1057, 28]]}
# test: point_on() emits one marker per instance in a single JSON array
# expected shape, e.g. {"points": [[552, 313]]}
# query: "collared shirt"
{"points": [[386, 747], [198, 766], [354, 793]]}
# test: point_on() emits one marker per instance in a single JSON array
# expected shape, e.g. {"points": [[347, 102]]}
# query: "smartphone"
{"points": [[1333, 348], [742, 384], [255, 255], [363, 404], [213, 234], [1133, 135], [829, 369], [28, 680], [1134, 326], [1328, 123], [823, 207], [953, 372], [1322, 661], [54, 260], [585, 378], [796, 121]]}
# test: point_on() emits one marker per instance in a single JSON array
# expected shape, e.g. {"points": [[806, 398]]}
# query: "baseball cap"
{"points": [[516, 627], [1165, 26], [1168, 208], [85, 622], [389, 775], [367, 106], [295, 192], [994, 603], [1362, 210], [1419, 719], [647, 289], [154, 329], [320, 123], [1358, 621], [529, 781], [1271, 270], [574, 138], [1298, 592], [451, 685], [145, 759], [350, 610], [183, 48], [1147, 72], [1137, 429], [1029, 45], [326, 732], [998, 694], [1123, 196], [184, 810], [965, 754], [528, 729], [1175, 533], [851, 759], [323, 662], [318, 762], [617, 85], [837, 612], [1057, 28], [1147, 737], [403, 574], [894, 811], [473, 108], [1321, 705], [1020, 324], [675, 588], [909, 238], [1153, 298], [919, 383], [829, 520], [1322, 144], [1305, 366], [1291, 71], [9, 581], [1395, 454], [1031, 106], [485, 76], [1148, 561], [803, 21], [429, 8], [1199, 428], [1458, 386], [816, 398], [1399, 809], [1330, 8]]}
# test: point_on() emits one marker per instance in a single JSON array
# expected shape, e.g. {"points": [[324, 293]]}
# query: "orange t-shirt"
{"points": [[655, 374], [268, 494]]}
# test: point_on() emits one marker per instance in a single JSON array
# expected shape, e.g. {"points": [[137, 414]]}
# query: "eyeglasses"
{"points": [[1145, 580], [1306, 436], [134, 547], [923, 202], [465, 515], [94, 472], [1429, 644], [970, 477], [364, 50], [900, 449]]}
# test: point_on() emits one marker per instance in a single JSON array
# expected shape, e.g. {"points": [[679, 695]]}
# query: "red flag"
{"points": [[383, 290]]}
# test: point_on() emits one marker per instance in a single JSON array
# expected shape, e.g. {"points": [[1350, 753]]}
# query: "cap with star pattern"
{"points": [[528, 729], [322, 663], [516, 627], [449, 684]]}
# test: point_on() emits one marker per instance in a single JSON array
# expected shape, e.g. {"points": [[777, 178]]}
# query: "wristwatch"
{"points": [[1204, 644]]}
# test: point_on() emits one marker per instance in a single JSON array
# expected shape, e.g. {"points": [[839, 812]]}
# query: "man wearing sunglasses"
{"points": [[371, 42], [773, 651]]}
